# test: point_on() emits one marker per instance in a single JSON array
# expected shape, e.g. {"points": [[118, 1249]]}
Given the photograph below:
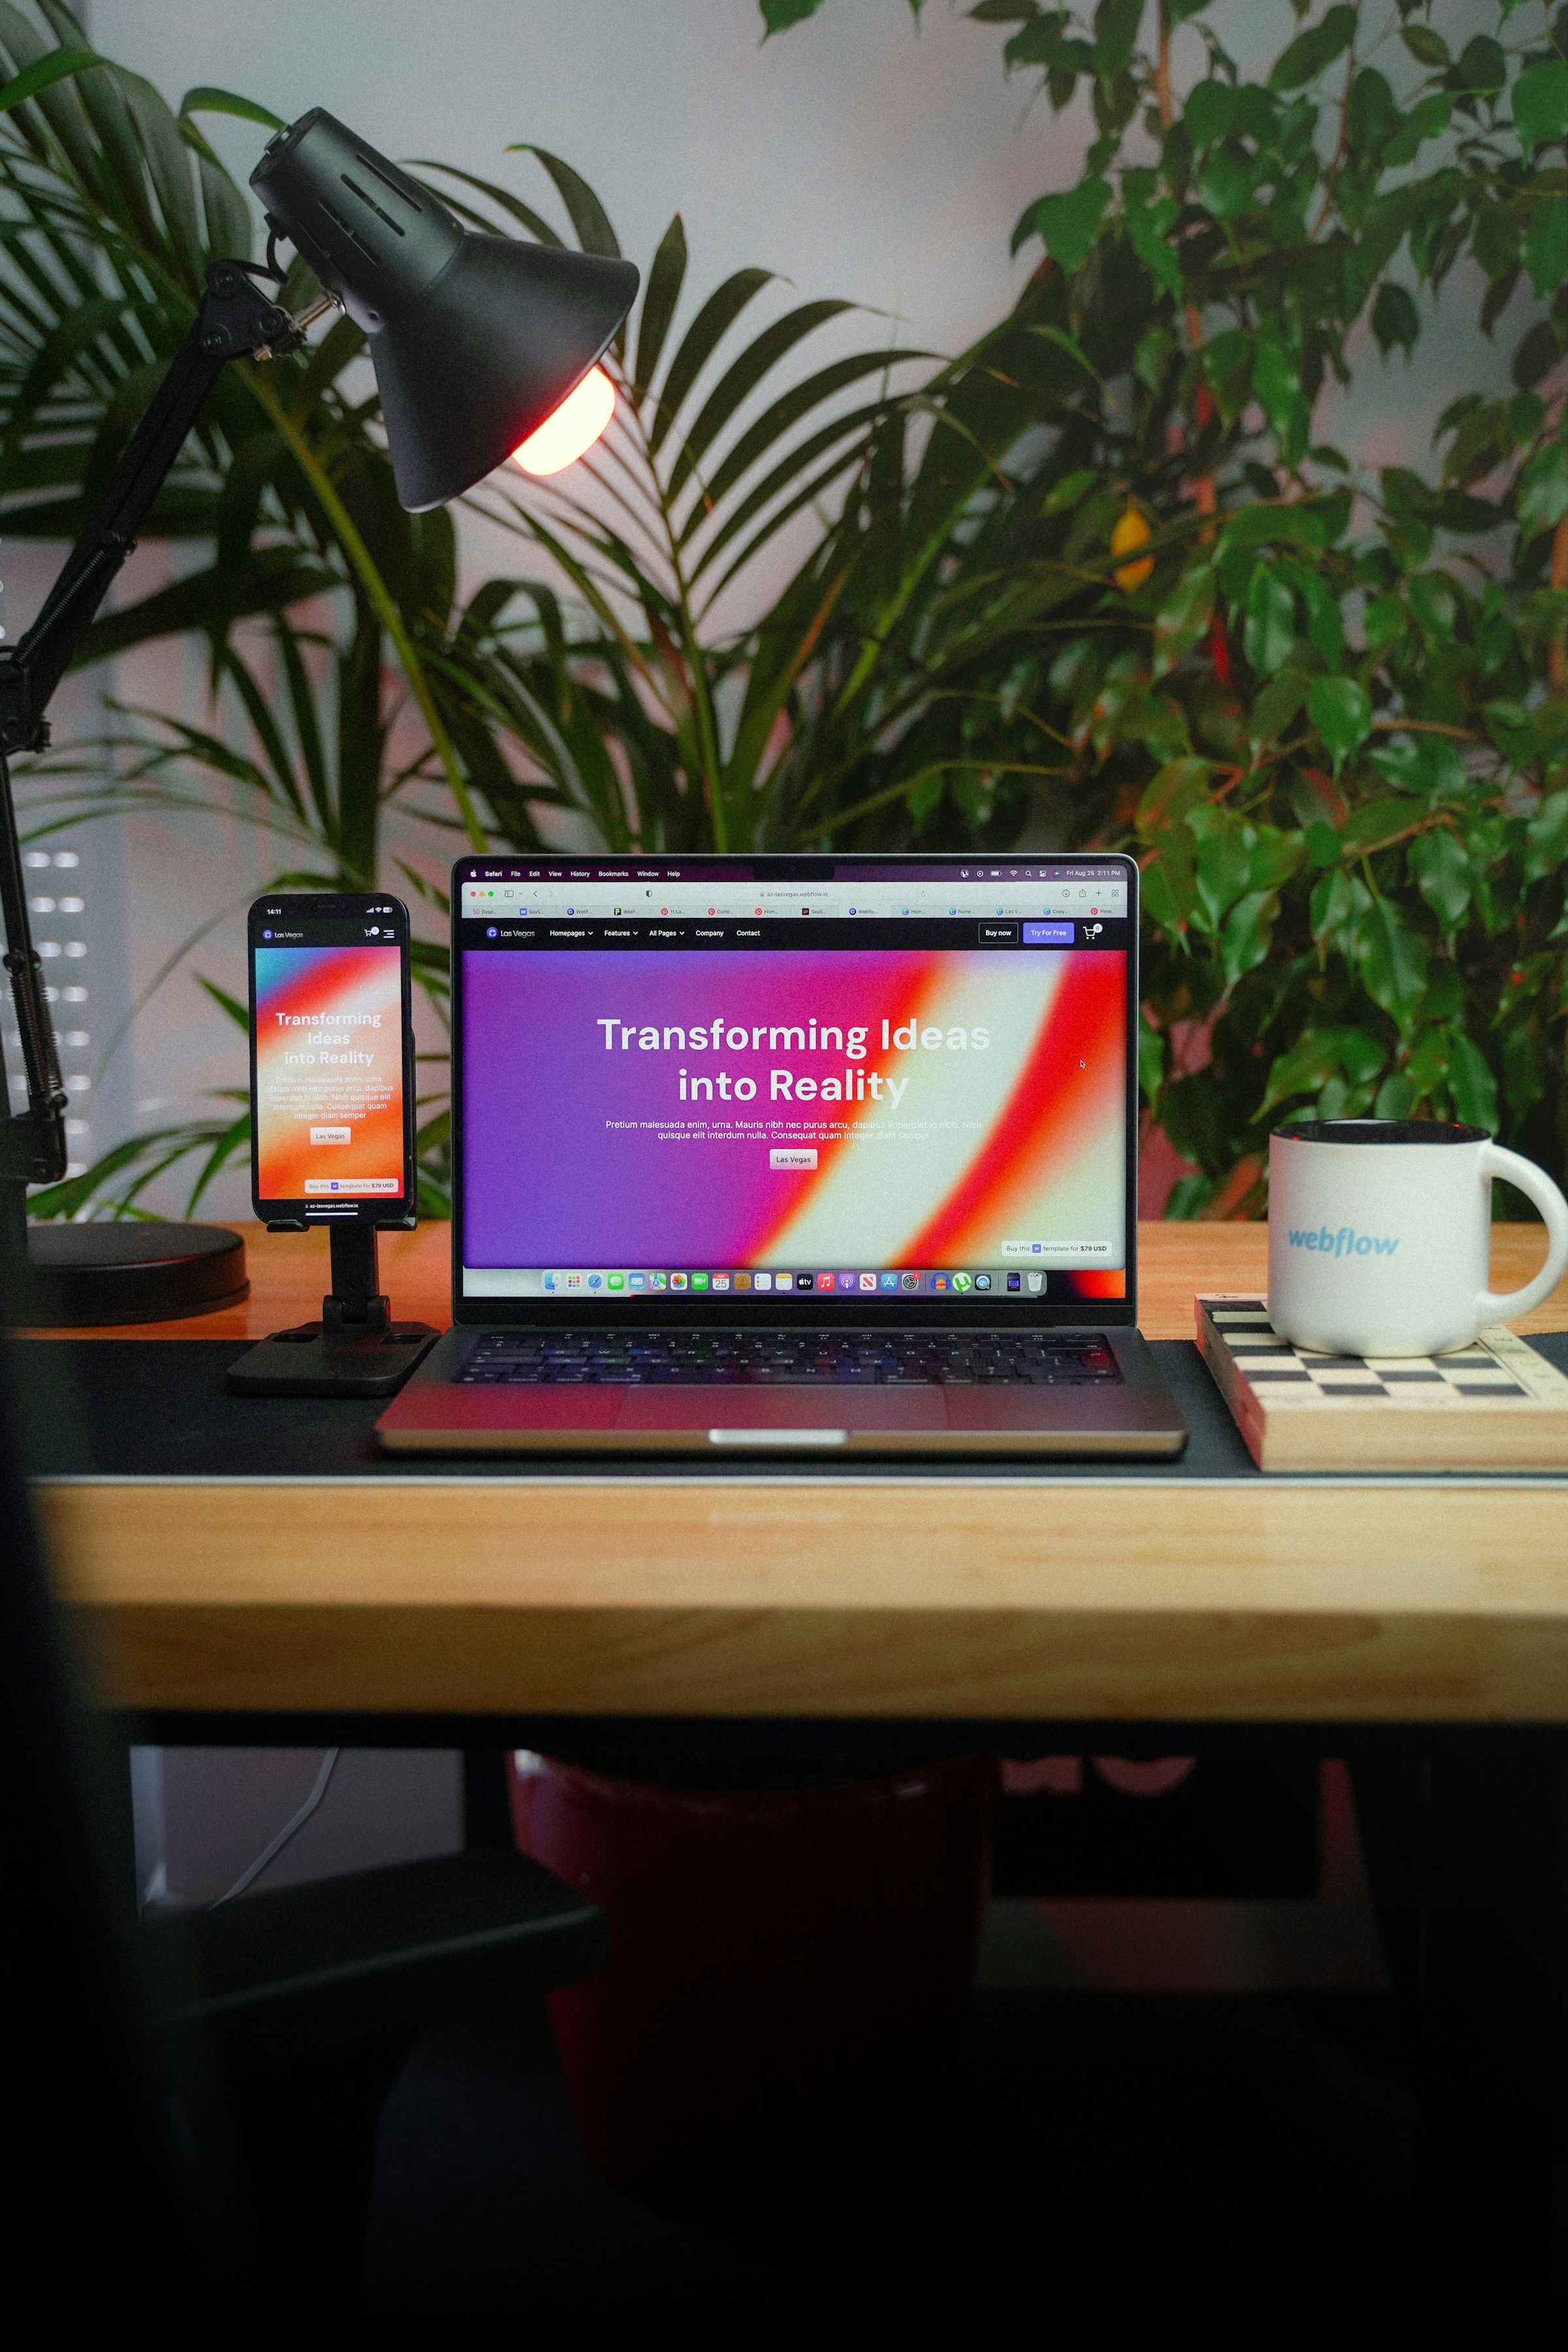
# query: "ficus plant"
{"points": [[1327, 707]]}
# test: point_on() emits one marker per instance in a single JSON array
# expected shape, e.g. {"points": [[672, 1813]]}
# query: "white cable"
{"points": [[270, 1853]]}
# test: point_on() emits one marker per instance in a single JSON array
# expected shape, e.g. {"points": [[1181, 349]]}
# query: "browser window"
{"points": [[882, 1083]]}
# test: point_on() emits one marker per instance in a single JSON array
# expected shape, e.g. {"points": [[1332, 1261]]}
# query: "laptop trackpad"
{"points": [[765, 1409]]}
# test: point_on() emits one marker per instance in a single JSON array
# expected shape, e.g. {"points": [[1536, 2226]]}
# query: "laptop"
{"points": [[816, 1156]]}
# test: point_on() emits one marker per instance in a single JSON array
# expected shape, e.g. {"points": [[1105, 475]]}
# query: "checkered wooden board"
{"points": [[1494, 1405]]}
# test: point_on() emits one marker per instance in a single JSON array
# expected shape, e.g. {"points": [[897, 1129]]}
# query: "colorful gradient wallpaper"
{"points": [[961, 1107], [329, 1072]]}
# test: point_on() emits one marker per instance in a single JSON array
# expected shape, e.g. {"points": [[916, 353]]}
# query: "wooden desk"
{"points": [[879, 1596]]}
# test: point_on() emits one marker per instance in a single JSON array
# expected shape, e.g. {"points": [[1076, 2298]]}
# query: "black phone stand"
{"points": [[355, 1351]]}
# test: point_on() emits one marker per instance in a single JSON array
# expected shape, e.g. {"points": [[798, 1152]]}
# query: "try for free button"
{"points": [[1048, 935], [793, 1156]]}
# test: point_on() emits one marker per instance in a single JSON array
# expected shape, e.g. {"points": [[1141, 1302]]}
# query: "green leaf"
{"points": [[1380, 820], [1338, 902], [741, 378], [1067, 224], [1148, 231], [1543, 489], [1301, 1069], [1209, 113], [1276, 380], [1223, 869], [1249, 928], [1341, 711], [1183, 617], [1384, 623], [1394, 319], [1538, 353], [1546, 246], [699, 343], [1471, 1082], [1169, 883], [1305, 522], [205, 100], [1314, 51], [1427, 48], [665, 280], [1269, 637], [1482, 69], [1116, 25], [1150, 1059], [1427, 764], [1178, 786], [236, 1011], [778, 16], [1227, 180], [586, 214], [1541, 104], [1494, 240], [1524, 1068], [1512, 727], [1276, 707], [1442, 874], [1371, 118], [1547, 833], [1393, 960], [56, 65], [1069, 493], [1427, 119]]}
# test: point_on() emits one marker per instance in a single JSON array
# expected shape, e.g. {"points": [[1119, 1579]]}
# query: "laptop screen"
{"points": [[694, 1080]]}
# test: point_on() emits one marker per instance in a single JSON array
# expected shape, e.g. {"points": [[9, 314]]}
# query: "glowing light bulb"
{"points": [[570, 429]]}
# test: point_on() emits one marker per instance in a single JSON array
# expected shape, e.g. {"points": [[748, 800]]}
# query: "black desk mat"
{"points": [[159, 1409]]}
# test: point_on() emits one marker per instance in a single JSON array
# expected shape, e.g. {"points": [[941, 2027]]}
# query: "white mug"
{"points": [[1379, 1233]]}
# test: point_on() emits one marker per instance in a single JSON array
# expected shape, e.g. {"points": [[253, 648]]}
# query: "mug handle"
{"points": [[1537, 1186]]}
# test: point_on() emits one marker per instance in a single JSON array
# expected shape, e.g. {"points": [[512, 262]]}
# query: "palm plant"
{"points": [[957, 654], [339, 654]]}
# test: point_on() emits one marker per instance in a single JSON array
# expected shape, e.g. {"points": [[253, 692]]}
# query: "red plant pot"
{"points": [[787, 1979]]}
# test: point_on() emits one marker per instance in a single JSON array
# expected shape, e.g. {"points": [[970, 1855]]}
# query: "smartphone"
{"points": [[332, 1060]]}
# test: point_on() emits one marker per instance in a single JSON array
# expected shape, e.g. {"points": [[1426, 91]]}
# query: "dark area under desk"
{"points": [[160, 1409]]}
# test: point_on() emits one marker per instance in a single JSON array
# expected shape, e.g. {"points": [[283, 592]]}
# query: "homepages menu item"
{"points": [[329, 1072]]}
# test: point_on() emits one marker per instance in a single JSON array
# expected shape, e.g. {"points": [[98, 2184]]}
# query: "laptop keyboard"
{"points": [[790, 1359]]}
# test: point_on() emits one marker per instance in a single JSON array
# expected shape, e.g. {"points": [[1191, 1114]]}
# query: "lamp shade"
{"points": [[475, 340]]}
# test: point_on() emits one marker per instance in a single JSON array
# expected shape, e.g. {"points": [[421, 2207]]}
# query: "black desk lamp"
{"points": [[478, 344]]}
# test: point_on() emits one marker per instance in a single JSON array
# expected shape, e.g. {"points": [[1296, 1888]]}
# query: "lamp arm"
{"points": [[235, 320]]}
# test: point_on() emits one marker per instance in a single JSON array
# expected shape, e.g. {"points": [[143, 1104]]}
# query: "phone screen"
{"points": [[329, 981]]}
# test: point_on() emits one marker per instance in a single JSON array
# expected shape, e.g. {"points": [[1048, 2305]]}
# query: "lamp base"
{"points": [[79, 1276]]}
